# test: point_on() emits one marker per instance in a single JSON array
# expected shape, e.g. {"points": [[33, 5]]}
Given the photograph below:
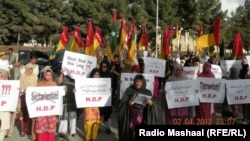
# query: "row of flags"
{"points": [[128, 39], [212, 39]]}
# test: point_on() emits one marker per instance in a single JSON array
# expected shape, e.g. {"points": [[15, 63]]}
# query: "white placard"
{"points": [[238, 91], [93, 92], [127, 79], [211, 90], [154, 66], [181, 94], [44, 101], [141, 99], [77, 64], [227, 64], [190, 72], [9, 93]]}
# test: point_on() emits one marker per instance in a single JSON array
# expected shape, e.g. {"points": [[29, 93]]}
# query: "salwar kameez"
{"points": [[92, 120]]}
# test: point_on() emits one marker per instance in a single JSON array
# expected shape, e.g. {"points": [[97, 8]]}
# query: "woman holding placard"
{"points": [[4, 115], [176, 114], [92, 117], [135, 108], [45, 126]]}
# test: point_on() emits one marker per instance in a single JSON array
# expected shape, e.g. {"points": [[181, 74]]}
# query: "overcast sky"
{"points": [[231, 5]]}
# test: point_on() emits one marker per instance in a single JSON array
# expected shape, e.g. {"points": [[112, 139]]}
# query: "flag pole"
{"points": [[156, 37]]}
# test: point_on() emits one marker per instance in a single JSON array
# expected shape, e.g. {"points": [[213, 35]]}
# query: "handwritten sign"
{"points": [[77, 64], [181, 94], [238, 91], [154, 66], [127, 79], [211, 90], [227, 64], [9, 94], [190, 72], [45, 101], [93, 92], [141, 99]]}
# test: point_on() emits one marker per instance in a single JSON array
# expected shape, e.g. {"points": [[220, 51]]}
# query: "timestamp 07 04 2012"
{"points": [[204, 121]]}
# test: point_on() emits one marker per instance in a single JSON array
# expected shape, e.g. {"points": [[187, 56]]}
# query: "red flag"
{"points": [[130, 34], [216, 31], [143, 38], [237, 48], [166, 35], [114, 15], [90, 34], [78, 38], [201, 30], [98, 38]]}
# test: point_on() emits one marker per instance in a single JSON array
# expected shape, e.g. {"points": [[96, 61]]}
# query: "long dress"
{"points": [[45, 126], [205, 111], [129, 116], [92, 117], [26, 80], [180, 113]]}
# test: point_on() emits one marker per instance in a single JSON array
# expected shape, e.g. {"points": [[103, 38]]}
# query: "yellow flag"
{"points": [[205, 41]]}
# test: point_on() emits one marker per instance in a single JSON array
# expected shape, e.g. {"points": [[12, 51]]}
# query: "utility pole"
{"points": [[156, 37]]}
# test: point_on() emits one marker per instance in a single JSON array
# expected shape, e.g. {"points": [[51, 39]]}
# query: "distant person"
{"points": [[12, 60]]}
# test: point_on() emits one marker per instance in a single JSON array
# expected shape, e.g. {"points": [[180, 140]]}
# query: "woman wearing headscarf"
{"points": [[5, 116], [205, 111], [28, 79], [45, 126], [176, 113], [131, 113], [105, 72], [236, 109], [244, 74], [92, 118]]}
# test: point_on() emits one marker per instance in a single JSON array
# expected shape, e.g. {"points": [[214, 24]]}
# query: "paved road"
{"points": [[101, 137]]}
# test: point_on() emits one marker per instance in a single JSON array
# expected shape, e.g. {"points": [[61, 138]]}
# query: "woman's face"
{"points": [[104, 67], [138, 84], [179, 72], [33, 60], [29, 70], [48, 76], [96, 75]]}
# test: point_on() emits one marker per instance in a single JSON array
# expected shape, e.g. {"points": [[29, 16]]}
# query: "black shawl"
{"points": [[148, 112]]}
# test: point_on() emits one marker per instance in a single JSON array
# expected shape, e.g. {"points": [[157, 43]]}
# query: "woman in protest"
{"points": [[45, 126], [5, 116], [67, 122], [205, 111], [105, 72], [28, 79], [235, 110], [92, 117], [131, 114], [175, 114]]}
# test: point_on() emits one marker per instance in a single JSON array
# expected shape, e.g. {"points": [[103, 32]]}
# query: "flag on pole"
{"points": [[89, 50], [75, 42], [165, 50], [64, 38], [211, 39], [123, 33], [113, 38], [238, 46], [143, 39], [222, 49], [98, 39], [132, 48], [130, 34]]}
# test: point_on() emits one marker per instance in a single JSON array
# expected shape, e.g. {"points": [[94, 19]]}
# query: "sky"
{"points": [[231, 5]]}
